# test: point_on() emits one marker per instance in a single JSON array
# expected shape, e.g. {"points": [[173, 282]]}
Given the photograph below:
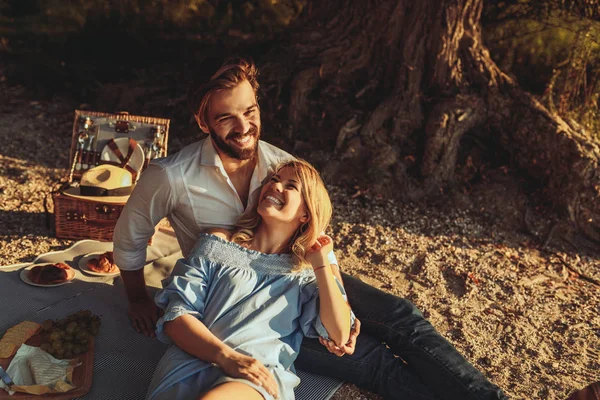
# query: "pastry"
{"points": [[16, 336], [49, 274], [104, 263]]}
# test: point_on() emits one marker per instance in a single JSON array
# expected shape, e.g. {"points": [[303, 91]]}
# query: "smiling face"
{"points": [[295, 202], [234, 121], [281, 198]]}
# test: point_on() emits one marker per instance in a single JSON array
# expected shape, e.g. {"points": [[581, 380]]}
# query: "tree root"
{"points": [[447, 124], [577, 273]]}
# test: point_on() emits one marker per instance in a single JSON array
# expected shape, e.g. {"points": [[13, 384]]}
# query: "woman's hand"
{"points": [[238, 365], [349, 347], [317, 254]]}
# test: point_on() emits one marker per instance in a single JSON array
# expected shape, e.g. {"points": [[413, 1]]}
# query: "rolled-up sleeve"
{"points": [[310, 320], [151, 200], [331, 258], [184, 292]]}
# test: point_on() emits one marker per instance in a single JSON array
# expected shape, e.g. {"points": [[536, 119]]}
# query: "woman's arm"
{"points": [[192, 336], [333, 310]]}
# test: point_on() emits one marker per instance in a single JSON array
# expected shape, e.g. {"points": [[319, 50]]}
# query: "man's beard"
{"points": [[234, 151]]}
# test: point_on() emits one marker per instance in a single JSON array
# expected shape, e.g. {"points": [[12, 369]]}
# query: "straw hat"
{"points": [[105, 183]]}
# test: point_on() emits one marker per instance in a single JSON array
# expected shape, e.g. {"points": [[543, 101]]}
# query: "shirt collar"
{"points": [[210, 157], [262, 169]]}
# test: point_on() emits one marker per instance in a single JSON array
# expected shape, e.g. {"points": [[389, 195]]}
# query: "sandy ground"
{"points": [[513, 288]]}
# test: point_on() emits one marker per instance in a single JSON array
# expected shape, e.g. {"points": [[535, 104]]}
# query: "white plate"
{"points": [[83, 265], [28, 281], [137, 158]]}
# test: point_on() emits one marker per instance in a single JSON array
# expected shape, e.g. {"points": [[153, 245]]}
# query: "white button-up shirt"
{"points": [[191, 189]]}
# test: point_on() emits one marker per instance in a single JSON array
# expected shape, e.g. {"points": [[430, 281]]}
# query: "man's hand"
{"points": [[143, 315], [238, 365], [349, 347]]}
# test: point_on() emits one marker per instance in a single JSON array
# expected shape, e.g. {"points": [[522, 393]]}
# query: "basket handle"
{"points": [[75, 216], [97, 222]]}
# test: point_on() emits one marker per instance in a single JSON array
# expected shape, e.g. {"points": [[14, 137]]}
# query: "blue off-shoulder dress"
{"points": [[251, 301]]}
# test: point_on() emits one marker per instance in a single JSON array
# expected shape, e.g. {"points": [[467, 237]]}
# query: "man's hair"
{"points": [[233, 72], [318, 206]]}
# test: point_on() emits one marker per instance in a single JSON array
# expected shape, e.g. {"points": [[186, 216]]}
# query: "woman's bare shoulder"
{"points": [[220, 232]]}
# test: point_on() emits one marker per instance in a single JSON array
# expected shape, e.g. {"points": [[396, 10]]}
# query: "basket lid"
{"points": [[94, 133]]}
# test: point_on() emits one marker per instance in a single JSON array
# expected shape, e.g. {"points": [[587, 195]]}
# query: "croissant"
{"points": [[49, 274], [104, 263]]}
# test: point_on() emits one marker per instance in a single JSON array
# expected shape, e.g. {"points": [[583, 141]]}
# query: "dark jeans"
{"points": [[429, 367]]}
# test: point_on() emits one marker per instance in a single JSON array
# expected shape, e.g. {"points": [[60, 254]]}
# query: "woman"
{"points": [[237, 307]]}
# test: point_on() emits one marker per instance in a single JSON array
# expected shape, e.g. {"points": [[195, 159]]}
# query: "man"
{"points": [[210, 183]]}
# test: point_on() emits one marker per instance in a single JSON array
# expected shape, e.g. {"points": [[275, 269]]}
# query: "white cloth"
{"points": [[191, 188]]}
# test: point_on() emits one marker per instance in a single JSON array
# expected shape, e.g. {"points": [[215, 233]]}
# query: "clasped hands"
{"points": [[347, 348]]}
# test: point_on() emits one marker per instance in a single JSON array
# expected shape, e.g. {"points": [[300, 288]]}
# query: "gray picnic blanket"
{"points": [[124, 360]]}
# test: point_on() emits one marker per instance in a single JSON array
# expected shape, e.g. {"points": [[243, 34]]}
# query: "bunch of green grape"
{"points": [[69, 337]]}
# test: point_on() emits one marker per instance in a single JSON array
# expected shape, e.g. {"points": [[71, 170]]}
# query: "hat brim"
{"points": [[76, 193]]}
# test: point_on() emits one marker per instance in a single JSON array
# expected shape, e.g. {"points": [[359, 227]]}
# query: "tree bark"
{"points": [[391, 87]]}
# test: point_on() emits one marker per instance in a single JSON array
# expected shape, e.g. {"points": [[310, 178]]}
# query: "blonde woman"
{"points": [[237, 307]]}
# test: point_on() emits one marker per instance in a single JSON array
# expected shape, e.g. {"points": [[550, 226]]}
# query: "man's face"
{"points": [[234, 122]]}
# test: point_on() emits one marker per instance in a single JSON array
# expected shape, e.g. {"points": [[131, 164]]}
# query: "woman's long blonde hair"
{"points": [[318, 206]]}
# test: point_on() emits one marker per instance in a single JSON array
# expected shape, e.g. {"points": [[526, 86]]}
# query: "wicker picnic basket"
{"points": [[98, 138]]}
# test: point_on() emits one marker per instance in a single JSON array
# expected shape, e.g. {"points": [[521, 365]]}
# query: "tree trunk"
{"points": [[390, 87]]}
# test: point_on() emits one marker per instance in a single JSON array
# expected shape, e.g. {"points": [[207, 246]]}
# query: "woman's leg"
{"points": [[399, 324], [231, 391]]}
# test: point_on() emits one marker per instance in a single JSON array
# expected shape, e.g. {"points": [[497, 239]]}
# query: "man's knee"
{"points": [[367, 300]]}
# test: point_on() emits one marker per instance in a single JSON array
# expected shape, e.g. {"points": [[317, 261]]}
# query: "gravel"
{"points": [[512, 286]]}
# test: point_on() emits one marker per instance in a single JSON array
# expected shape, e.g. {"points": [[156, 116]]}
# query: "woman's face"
{"points": [[281, 198]]}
